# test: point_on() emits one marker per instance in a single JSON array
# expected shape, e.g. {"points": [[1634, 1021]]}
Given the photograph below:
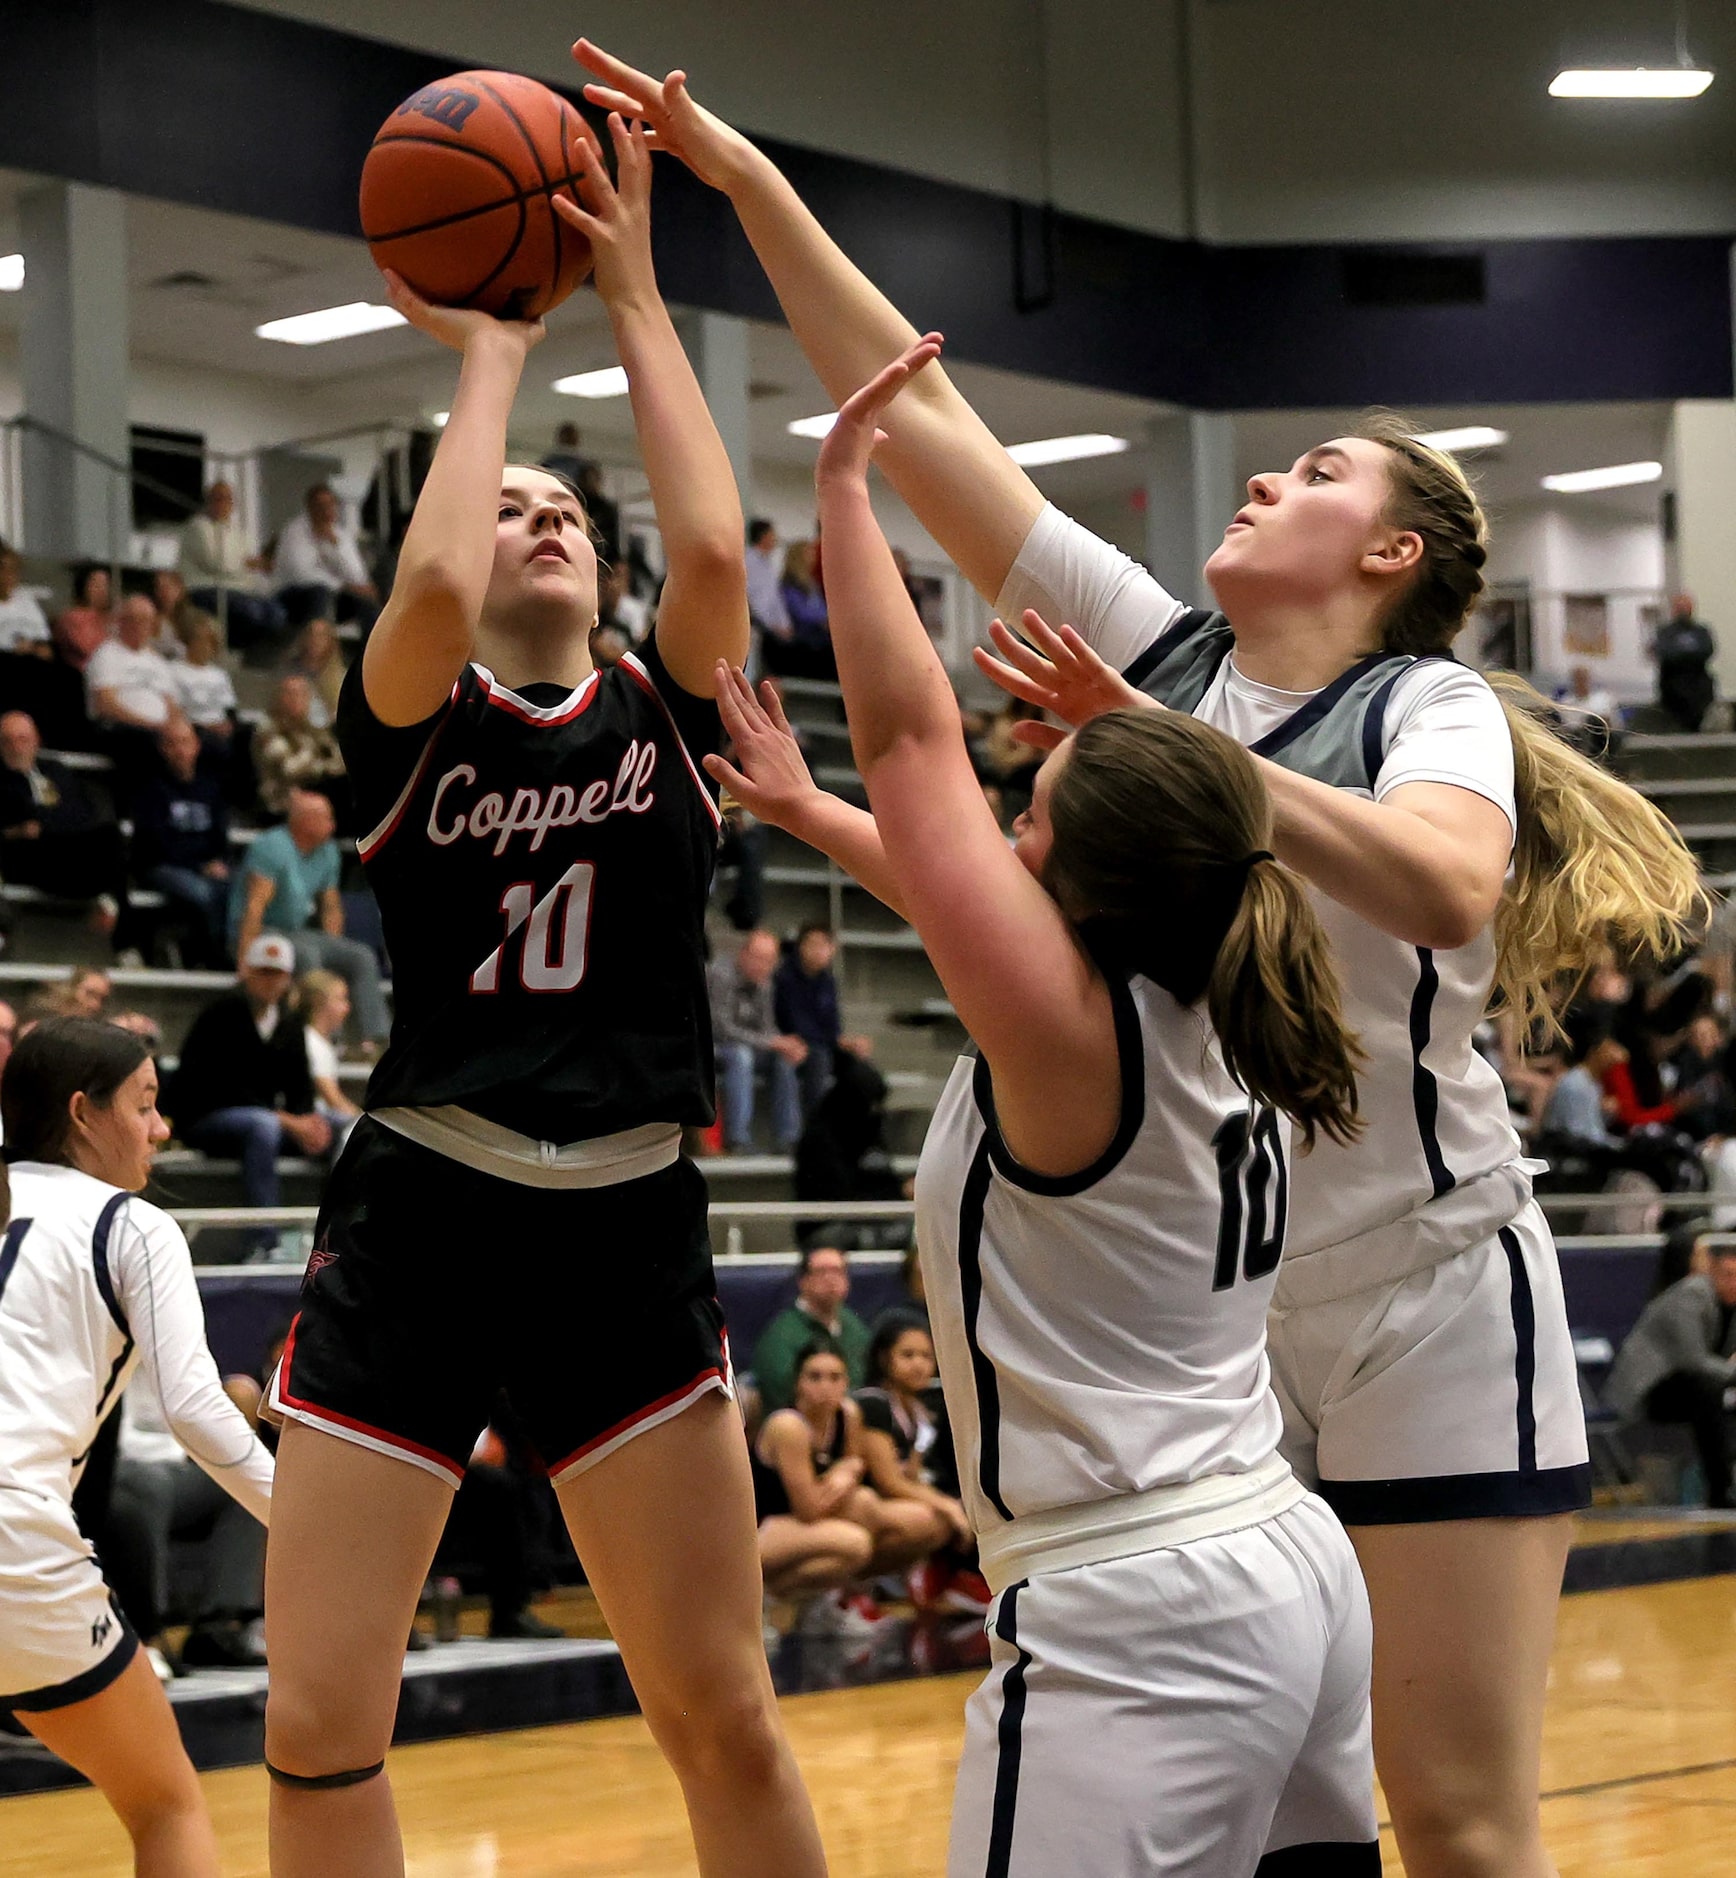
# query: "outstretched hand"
{"points": [[769, 777], [851, 440], [455, 326], [709, 147], [616, 215], [1057, 671]]}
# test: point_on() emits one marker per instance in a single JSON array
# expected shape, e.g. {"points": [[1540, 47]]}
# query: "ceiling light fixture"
{"points": [[820, 426], [1635, 82], [11, 272], [329, 323], [610, 382], [1065, 449], [1617, 476], [1466, 437]]}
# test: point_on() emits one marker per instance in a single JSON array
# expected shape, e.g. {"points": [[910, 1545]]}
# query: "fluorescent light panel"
{"points": [[329, 323], [11, 272], [1065, 449], [1617, 476], [1466, 437], [610, 382], [1637, 82], [820, 426]]}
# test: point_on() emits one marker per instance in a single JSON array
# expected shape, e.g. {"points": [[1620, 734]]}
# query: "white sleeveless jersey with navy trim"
{"points": [[1438, 1148], [94, 1283], [1104, 1335]]}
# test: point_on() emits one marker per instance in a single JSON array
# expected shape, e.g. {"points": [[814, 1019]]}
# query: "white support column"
{"points": [[73, 354], [717, 343], [1190, 494], [1702, 558]]}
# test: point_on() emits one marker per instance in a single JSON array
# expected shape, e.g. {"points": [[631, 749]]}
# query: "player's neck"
{"points": [[517, 660], [1300, 648]]}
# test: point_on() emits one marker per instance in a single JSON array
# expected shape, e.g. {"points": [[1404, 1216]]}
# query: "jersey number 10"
{"points": [[1254, 1182], [557, 933]]}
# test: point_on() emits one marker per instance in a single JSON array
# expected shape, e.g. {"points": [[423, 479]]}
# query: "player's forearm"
{"points": [[692, 484], [849, 837], [940, 456], [448, 552]]}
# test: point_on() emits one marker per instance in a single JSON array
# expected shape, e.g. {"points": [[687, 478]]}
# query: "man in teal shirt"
{"points": [[818, 1318], [289, 883]]}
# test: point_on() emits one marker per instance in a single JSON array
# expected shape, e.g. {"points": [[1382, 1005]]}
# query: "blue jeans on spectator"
{"points": [[256, 1134], [209, 899], [736, 1063]]}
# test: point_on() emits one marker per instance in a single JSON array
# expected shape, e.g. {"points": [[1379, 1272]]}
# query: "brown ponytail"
{"points": [[1594, 864], [1155, 818]]}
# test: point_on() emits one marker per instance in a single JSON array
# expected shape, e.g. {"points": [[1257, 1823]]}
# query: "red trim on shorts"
{"points": [[319, 1412], [710, 1374]]}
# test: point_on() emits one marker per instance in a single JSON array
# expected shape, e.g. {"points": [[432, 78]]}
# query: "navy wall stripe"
{"points": [[1524, 1349], [10, 1249], [970, 1274], [99, 1253], [1425, 1093], [1011, 1737]]}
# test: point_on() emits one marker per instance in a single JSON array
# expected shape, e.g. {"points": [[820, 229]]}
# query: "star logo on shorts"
{"points": [[317, 1260], [99, 1631]]}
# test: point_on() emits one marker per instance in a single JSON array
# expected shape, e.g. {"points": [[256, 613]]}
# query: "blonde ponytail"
{"points": [[1275, 1003], [1595, 865]]}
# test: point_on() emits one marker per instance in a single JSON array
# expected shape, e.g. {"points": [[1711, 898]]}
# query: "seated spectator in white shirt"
{"points": [[23, 624], [323, 999], [319, 570], [765, 579], [128, 680], [202, 686], [226, 577]]}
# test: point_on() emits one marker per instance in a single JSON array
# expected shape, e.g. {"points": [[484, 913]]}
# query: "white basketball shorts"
{"points": [[1200, 1712], [61, 1639], [1451, 1394]]}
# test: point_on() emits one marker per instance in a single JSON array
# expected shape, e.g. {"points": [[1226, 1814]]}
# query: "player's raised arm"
{"points": [[944, 460], [703, 615], [424, 634], [1021, 983]]}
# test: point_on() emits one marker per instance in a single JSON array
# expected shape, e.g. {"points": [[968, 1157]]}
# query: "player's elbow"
{"points": [[1454, 915], [716, 557]]}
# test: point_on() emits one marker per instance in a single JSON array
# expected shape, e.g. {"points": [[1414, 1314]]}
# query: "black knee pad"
{"points": [[350, 1777]]}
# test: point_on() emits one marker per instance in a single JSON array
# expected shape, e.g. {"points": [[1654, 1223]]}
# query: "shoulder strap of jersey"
{"points": [[1375, 740], [1180, 663]]}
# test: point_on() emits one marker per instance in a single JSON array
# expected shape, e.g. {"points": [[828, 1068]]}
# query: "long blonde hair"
{"points": [[1595, 864]]}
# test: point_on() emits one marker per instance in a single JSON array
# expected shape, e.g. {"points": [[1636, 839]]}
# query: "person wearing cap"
{"points": [[243, 1085]]}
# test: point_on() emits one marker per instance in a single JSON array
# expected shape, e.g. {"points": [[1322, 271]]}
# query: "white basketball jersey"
{"points": [[94, 1281], [1104, 1335]]}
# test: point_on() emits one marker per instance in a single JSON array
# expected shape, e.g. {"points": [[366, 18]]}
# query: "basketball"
{"points": [[458, 194]]}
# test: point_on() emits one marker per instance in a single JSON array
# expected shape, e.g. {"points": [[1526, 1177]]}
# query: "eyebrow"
{"points": [[565, 498], [1324, 449]]}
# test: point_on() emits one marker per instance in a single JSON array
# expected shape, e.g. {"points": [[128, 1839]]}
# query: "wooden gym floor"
{"points": [[1639, 1773]]}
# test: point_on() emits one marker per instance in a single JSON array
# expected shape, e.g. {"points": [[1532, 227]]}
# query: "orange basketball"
{"points": [[458, 194]]}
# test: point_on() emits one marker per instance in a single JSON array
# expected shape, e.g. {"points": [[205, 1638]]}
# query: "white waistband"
{"points": [[603, 1161], [1068, 1536], [1437, 1230]]}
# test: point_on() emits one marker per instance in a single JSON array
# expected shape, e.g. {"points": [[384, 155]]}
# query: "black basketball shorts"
{"points": [[432, 1287]]}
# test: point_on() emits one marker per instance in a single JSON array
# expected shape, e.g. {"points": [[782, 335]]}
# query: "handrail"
{"points": [[139, 478]]}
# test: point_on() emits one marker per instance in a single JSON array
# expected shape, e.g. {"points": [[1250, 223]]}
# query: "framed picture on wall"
{"points": [[1502, 628], [1585, 625]]}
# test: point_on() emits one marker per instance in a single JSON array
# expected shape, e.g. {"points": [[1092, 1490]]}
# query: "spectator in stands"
{"points": [[1682, 650], [84, 625], [243, 1084], [820, 1317], [900, 1429], [1004, 762], [618, 606], [287, 883], [1586, 696], [322, 1000], [842, 1154], [292, 752], [202, 686], [601, 513], [127, 680], [86, 992], [179, 612], [498, 1527], [745, 1029], [160, 1496], [1678, 1364], [181, 840], [58, 831], [226, 577], [319, 658], [742, 849], [565, 458], [147, 1029], [806, 652], [805, 1478], [319, 570], [805, 1005], [1577, 1114], [23, 624], [765, 583]]}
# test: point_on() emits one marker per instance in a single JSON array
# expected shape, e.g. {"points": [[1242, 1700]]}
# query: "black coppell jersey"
{"points": [[541, 861]]}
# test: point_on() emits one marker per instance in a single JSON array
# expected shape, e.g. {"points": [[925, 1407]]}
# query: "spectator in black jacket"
{"points": [[842, 1154], [243, 1084], [57, 830], [805, 999], [181, 839]]}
